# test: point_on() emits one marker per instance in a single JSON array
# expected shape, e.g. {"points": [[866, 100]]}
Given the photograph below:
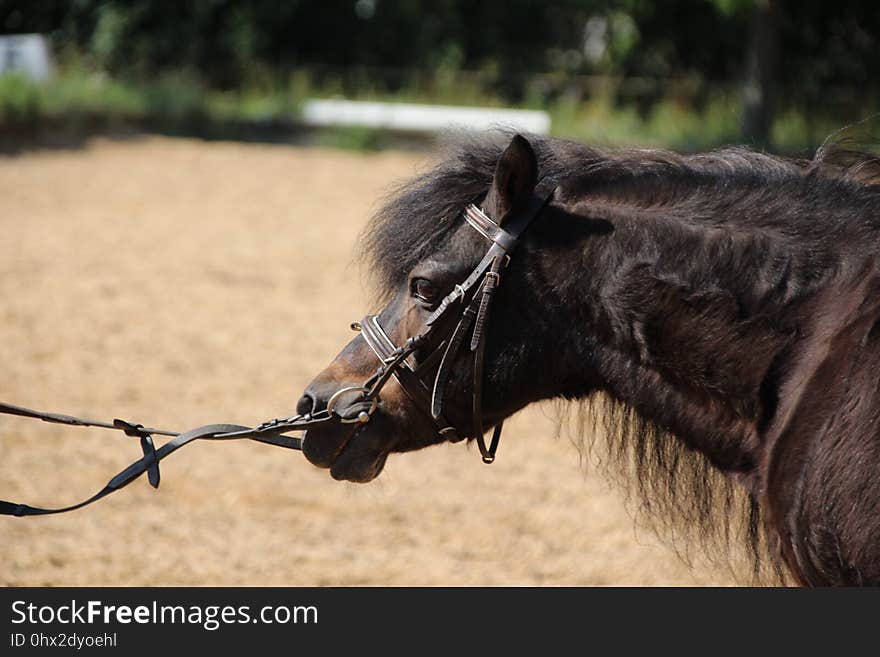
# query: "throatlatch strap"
{"points": [[478, 347], [452, 349], [488, 454]]}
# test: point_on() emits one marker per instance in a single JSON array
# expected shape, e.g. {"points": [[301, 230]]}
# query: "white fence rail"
{"points": [[408, 117]]}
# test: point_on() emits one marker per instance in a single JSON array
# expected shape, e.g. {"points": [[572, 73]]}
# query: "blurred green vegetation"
{"points": [[175, 96], [178, 102], [689, 74]]}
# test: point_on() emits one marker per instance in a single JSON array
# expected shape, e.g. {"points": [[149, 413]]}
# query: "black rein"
{"points": [[269, 432]]}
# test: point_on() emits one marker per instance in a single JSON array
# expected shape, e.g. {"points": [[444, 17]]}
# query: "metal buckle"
{"points": [[362, 417]]}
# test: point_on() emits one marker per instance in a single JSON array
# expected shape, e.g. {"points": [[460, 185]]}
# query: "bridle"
{"points": [[425, 381], [471, 299]]}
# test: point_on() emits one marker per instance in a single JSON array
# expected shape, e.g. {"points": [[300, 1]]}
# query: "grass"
{"points": [[173, 96], [669, 123], [180, 102]]}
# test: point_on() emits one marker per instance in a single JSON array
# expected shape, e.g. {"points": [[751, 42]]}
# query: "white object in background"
{"points": [[421, 118], [27, 54]]}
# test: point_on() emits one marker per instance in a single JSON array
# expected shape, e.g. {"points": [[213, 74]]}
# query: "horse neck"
{"points": [[687, 327]]}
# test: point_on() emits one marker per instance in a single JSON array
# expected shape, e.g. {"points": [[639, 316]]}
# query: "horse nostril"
{"points": [[306, 403]]}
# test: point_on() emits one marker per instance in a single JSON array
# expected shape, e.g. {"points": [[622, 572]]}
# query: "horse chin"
{"points": [[352, 452], [358, 452], [356, 466]]}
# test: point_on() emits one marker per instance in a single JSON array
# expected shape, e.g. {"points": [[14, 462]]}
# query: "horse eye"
{"points": [[423, 290]]}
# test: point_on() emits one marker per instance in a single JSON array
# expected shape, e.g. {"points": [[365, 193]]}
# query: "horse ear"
{"points": [[515, 178]]}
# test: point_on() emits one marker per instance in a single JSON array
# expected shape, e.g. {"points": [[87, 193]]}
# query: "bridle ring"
{"points": [[363, 416]]}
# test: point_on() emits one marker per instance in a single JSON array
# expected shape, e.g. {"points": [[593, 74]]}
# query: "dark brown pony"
{"points": [[726, 303]]}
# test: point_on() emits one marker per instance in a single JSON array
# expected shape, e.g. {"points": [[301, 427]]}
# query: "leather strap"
{"points": [[413, 386], [58, 418], [454, 345], [149, 460], [269, 432], [478, 346]]}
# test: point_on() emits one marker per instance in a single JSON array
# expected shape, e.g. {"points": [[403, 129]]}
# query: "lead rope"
{"points": [[268, 432]]}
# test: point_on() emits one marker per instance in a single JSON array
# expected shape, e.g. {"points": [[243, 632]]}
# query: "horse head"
{"points": [[467, 373]]}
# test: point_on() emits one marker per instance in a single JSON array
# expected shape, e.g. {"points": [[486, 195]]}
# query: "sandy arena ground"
{"points": [[176, 283]]}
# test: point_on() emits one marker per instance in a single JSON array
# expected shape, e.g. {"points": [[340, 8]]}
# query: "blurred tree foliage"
{"points": [[797, 51], [225, 40]]}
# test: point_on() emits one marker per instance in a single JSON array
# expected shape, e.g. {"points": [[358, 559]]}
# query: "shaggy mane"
{"points": [[418, 213]]}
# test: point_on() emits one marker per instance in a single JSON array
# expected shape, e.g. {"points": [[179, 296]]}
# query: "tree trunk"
{"points": [[759, 89]]}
